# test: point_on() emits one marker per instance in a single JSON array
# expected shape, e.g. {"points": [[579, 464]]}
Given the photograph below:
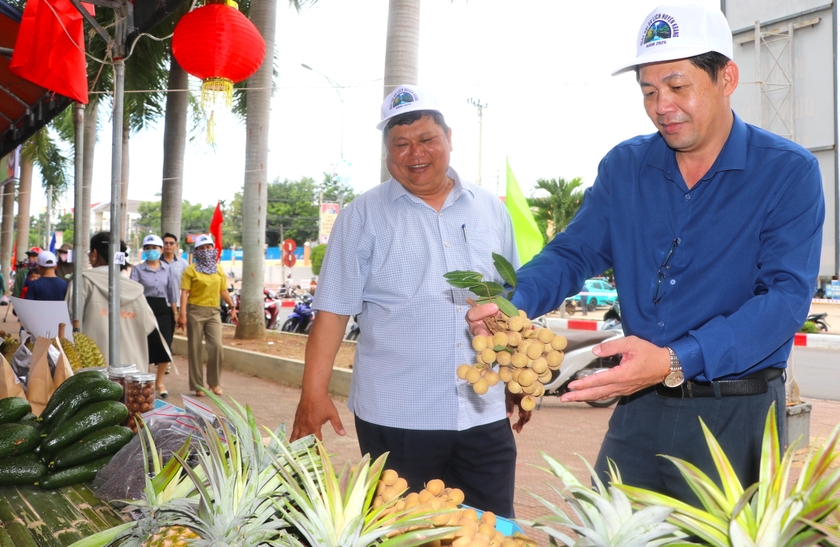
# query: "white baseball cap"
{"points": [[203, 239], [678, 30], [46, 259], [406, 98], [152, 239]]}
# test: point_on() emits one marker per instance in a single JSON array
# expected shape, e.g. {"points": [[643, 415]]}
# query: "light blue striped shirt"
{"points": [[385, 261]]}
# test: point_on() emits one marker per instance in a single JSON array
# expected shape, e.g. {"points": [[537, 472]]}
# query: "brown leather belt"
{"points": [[754, 384]]}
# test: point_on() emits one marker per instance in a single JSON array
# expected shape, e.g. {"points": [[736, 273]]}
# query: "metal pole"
{"points": [[480, 108], [78, 236], [116, 216]]}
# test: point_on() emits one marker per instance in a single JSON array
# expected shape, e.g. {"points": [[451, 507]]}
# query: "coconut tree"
{"points": [[254, 191], [556, 210], [402, 47]]}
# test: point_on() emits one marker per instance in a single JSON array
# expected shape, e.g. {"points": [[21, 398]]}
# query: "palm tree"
{"points": [[555, 211], [402, 47], [254, 192]]}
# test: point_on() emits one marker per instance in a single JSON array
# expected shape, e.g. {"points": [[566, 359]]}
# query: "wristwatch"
{"points": [[675, 377]]}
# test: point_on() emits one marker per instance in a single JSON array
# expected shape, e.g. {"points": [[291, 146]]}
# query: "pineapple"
{"points": [[762, 515], [605, 515], [173, 536]]}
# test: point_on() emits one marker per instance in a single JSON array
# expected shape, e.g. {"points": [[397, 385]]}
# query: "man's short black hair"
{"points": [[712, 63], [410, 117], [173, 236]]}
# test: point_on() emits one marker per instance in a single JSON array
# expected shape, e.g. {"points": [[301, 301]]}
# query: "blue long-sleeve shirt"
{"points": [[741, 274]]}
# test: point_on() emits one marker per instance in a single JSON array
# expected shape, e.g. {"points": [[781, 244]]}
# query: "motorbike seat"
{"points": [[582, 338]]}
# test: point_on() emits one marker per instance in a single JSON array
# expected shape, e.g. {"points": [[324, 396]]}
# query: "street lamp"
{"points": [[337, 87]]}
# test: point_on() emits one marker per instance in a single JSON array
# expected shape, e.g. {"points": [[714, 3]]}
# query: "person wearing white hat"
{"points": [[162, 290], [48, 286], [385, 262], [203, 283], [713, 228]]}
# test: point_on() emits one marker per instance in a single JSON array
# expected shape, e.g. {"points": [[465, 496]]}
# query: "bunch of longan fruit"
{"points": [[473, 531], [526, 357]]}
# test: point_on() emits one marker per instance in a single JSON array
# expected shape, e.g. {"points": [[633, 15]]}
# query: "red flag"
{"points": [[14, 257], [216, 229], [49, 49]]}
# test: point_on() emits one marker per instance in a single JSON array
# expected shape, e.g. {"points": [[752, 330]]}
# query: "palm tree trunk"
{"points": [[126, 132], [402, 46], [91, 122], [8, 227], [254, 193], [24, 199], [174, 145]]}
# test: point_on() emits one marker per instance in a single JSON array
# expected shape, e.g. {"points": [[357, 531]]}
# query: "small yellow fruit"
{"points": [[456, 496], [514, 387], [545, 377], [469, 513], [514, 338], [401, 485], [527, 326], [473, 375], [389, 477], [535, 349], [539, 365], [488, 356], [500, 339], [545, 335], [488, 517], [479, 342], [462, 371], [435, 486], [505, 374], [540, 391], [503, 358], [481, 386], [519, 360], [554, 358], [390, 493], [526, 377], [528, 403], [530, 389], [515, 324], [559, 342], [522, 314], [492, 378], [424, 497]]}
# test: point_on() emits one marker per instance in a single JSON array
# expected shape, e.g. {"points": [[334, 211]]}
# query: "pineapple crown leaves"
{"points": [[336, 509], [488, 291], [605, 516], [762, 515]]}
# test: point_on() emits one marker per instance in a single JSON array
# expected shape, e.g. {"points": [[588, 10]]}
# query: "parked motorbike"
{"points": [[272, 309], [819, 320], [225, 309], [300, 320], [579, 361]]}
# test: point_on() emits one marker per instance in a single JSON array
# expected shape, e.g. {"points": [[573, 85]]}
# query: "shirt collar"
{"points": [[397, 190], [732, 157]]}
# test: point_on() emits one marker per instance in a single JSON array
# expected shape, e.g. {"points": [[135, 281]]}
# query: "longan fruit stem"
{"points": [[490, 322]]}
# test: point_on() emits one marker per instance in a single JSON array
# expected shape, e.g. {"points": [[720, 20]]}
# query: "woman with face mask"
{"points": [[161, 289], [202, 285]]}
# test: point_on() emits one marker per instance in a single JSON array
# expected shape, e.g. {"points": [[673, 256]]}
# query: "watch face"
{"points": [[674, 379]]}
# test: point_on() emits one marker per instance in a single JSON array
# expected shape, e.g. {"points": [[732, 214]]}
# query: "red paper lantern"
{"points": [[219, 45]]}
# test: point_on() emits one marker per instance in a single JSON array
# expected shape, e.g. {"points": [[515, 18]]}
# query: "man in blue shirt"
{"points": [[48, 286], [713, 228]]}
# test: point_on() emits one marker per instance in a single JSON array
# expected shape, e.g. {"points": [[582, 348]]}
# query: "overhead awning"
{"points": [[24, 107]]}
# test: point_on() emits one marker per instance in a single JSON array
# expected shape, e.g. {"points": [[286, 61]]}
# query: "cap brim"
{"points": [[667, 54], [381, 125]]}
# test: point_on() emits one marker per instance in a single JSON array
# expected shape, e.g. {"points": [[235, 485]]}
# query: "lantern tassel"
{"points": [[211, 127], [216, 92]]}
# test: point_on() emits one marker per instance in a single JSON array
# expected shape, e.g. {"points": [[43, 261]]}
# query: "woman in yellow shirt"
{"points": [[202, 284]]}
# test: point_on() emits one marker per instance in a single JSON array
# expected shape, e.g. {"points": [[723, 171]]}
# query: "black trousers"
{"points": [[645, 426], [481, 460]]}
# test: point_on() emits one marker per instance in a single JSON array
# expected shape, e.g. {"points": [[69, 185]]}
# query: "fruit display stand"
{"points": [[33, 517]]}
